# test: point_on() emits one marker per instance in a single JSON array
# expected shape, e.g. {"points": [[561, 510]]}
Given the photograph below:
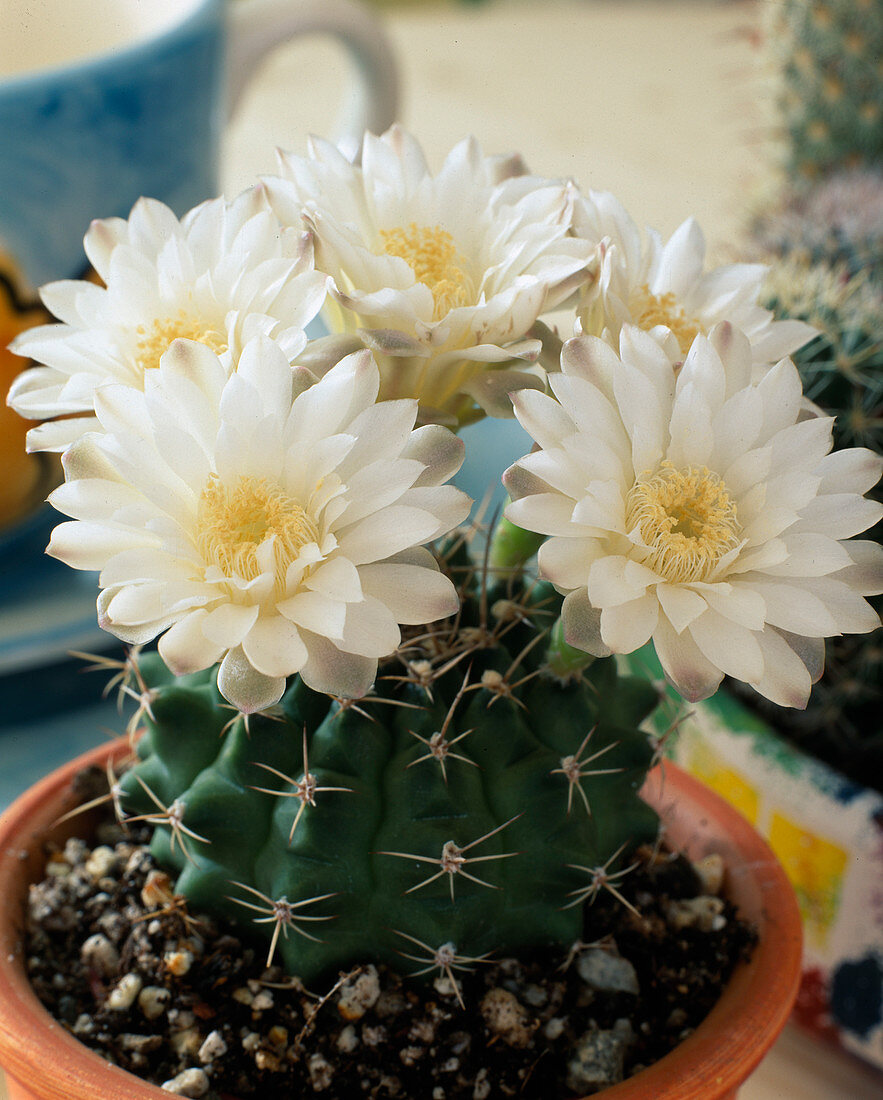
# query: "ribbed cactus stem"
{"points": [[471, 800], [512, 547], [563, 662]]}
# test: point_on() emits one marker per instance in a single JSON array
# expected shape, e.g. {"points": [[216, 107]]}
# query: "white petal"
{"points": [[615, 579], [412, 594], [680, 605], [730, 647], [89, 545], [328, 670], [682, 260], [274, 647], [440, 451], [628, 626], [228, 624], [386, 532], [248, 690], [545, 513], [338, 579], [785, 679], [839, 515], [185, 648], [566, 562], [851, 470], [370, 629], [316, 613], [686, 667], [792, 608], [582, 624]]}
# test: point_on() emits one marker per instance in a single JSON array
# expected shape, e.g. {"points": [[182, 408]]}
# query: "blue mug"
{"points": [[102, 101]]}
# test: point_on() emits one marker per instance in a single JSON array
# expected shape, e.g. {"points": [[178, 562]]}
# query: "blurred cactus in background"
{"points": [[837, 223], [824, 56], [826, 244]]}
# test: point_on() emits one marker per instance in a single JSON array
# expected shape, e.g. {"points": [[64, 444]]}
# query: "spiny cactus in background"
{"points": [[470, 805], [837, 223], [828, 93], [842, 371]]}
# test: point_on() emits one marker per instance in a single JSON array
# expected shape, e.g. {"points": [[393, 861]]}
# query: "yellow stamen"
{"points": [[232, 522], [663, 309], [154, 339], [432, 255], [686, 519]]}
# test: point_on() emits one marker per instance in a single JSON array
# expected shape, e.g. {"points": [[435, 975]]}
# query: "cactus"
{"points": [[829, 95], [842, 371], [837, 223], [469, 805]]}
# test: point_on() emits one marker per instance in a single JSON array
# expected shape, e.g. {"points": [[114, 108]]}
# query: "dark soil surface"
{"points": [[190, 1006]]}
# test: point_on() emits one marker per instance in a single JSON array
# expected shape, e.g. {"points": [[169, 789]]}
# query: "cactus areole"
{"points": [[472, 804]]}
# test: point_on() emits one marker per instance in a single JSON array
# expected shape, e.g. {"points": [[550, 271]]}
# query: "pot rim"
{"points": [[720, 1054]]}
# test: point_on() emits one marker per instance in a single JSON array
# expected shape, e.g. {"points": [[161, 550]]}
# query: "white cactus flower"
{"points": [[442, 276], [221, 275], [261, 520], [665, 290], [699, 509]]}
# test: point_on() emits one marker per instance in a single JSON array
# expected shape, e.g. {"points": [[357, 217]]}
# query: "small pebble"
{"points": [[506, 1017], [347, 1040], [178, 962], [321, 1072], [250, 1042], [123, 994], [598, 1058], [100, 954], [278, 1035], [157, 890], [422, 1031], [186, 1043], [704, 913], [263, 1002], [710, 870], [535, 995], [554, 1028], [213, 1047], [373, 1036], [356, 997], [482, 1085], [444, 986], [604, 972], [191, 1082], [141, 1044], [267, 1061], [101, 862]]}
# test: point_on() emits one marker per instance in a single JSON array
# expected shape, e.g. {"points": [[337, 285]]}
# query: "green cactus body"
{"points": [[451, 819], [826, 57]]}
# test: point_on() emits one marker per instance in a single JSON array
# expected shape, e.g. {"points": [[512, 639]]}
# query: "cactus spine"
{"points": [[471, 804]]}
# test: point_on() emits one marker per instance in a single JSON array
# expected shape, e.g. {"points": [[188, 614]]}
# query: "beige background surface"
{"points": [[656, 100]]}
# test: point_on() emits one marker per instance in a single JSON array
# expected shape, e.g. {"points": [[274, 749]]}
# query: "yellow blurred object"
{"points": [[20, 471]]}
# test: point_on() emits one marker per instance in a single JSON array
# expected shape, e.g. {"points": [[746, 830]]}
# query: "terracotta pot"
{"points": [[825, 830], [44, 1062]]}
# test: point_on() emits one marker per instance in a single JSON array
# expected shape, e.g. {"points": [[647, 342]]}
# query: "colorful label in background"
{"points": [[826, 831]]}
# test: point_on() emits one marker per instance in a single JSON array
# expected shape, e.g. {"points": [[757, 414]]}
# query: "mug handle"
{"points": [[257, 26]]}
